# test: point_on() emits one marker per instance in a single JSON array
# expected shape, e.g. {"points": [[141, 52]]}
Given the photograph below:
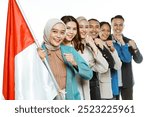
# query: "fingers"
{"points": [[41, 53], [109, 43], [69, 57], [132, 44]]}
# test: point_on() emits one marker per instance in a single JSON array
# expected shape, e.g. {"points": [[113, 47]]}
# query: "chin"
{"points": [[56, 45], [83, 37]]}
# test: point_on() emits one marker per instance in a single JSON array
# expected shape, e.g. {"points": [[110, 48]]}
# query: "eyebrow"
{"points": [[56, 29]]}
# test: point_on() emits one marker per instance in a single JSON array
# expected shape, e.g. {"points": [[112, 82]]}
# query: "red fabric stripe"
{"points": [[18, 37]]}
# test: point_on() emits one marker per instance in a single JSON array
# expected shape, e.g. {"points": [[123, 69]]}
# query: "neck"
{"points": [[67, 43]]}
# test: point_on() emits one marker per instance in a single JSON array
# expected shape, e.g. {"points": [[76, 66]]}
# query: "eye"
{"points": [[86, 27], [121, 25], [80, 26], [62, 32], [54, 31], [68, 27], [97, 27], [75, 29], [91, 26]]}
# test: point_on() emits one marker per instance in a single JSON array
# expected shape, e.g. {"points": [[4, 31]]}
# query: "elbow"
{"points": [[139, 60], [87, 75]]}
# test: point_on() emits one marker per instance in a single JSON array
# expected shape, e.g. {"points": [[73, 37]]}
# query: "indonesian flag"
{"points": [[25, 76]]}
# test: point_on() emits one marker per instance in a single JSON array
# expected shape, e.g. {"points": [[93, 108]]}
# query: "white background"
{"points": [[137, 27]]}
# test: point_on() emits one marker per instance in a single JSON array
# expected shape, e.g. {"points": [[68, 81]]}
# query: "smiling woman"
{"points": [[65, 58], [137, 25]]}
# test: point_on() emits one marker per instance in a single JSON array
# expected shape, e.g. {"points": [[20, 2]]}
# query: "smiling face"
{"points": [[57, 34], [83, 28], [104, 32], [117, 25], [94, 28], [71, 30]]}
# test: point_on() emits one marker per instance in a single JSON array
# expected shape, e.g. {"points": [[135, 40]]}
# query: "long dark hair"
{"points": [[77, 39]]}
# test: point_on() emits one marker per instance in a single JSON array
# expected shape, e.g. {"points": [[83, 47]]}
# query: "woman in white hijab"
{"points": [[64, 61]]}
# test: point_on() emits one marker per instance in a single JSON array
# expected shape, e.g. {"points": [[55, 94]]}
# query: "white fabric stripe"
{"points": [[32, 80]]}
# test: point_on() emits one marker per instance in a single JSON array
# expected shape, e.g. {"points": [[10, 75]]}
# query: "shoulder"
{"points": [[67, 48], [126, 39]]}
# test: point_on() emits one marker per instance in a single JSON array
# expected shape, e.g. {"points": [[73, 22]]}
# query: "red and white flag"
{"points": [[25, 76]]}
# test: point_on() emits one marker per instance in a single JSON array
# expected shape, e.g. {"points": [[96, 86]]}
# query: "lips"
{"points": [[94, 33], [70, 36], [83, 33]]}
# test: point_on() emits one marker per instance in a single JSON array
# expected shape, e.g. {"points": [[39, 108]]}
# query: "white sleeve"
{"points": [[117, 60]]}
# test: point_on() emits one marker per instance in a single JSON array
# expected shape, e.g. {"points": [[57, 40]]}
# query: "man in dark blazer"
{"points": [[127, 50]]}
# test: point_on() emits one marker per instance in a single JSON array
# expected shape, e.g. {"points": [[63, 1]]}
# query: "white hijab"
{"points": [[48, 27]]}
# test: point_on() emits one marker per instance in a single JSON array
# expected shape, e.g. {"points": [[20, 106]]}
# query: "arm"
{"points": [[137, 56], [117, 60], [100, 64], [122, 48], [83, 69]]}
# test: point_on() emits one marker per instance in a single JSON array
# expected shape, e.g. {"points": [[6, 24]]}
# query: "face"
{"points": [[94, 28], [71, 30], [57, 34], [117, 25], [83, 28], [104, 32]]}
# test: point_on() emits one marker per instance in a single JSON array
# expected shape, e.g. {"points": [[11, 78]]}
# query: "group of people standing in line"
{"points": [[87, 60]]}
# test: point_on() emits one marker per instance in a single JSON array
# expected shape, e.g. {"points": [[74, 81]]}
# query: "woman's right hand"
{"points": [[99, 42], [41, 53], [90, 42]]}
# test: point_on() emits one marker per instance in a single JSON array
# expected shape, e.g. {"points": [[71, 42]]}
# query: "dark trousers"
{"points": [[126, 93], [94, 87]]}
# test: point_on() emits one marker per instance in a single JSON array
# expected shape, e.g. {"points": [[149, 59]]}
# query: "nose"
{"points": [[94, 29], [118, 26], [58, 35], [71, 31]]}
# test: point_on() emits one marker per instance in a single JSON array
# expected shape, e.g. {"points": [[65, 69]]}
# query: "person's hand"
{"points": [[90, 42], [110, 45], [118, 37], [99, 42], [89, 39], [41, 53], [132, 44], [69, 57]]}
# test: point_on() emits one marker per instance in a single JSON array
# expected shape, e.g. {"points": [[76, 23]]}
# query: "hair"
{"points": [[93, 20], [77, 39], [117, 16], [101, 24]]}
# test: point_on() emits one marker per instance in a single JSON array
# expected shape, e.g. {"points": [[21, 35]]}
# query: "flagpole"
{"points": [[60, 92]]}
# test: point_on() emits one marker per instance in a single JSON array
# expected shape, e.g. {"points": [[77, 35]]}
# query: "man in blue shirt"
{"points": [[127, 49]]}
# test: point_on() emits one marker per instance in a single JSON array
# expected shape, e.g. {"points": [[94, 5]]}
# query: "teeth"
{"points": [[83, 33]]}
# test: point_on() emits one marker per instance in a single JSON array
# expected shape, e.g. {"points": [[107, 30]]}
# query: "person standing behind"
{"points": [[108, 82], [73, 39], [93, 57], [94, 28], [126, 49]]}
